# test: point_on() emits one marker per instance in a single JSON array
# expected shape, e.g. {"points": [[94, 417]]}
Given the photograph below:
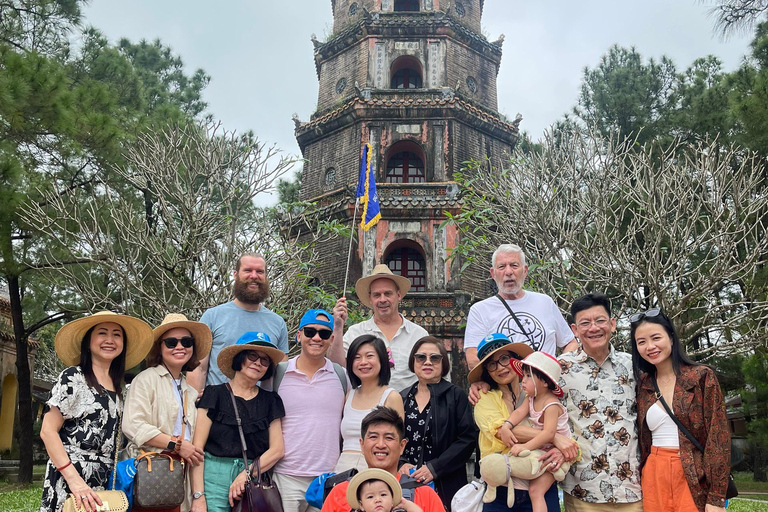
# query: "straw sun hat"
{"points": [[137, 333], [199, 331], [380, 271], [373, 474], [248, 341]]}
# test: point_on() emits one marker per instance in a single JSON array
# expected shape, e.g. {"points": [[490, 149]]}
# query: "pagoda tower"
{"points": [[417, 80]]}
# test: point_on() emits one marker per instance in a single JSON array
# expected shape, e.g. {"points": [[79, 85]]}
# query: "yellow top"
{"points": [[490, 413]]}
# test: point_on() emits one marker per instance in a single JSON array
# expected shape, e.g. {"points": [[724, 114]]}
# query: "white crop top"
{"points": [[663, 428], [353, 419]]}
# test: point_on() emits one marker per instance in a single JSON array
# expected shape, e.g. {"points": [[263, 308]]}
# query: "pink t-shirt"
{"points": [[562, 420], [311, 426]]}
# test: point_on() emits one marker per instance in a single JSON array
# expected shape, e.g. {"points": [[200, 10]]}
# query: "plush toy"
{"points": [[497, 469]]}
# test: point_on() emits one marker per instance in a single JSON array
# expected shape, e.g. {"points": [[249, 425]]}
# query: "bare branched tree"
{"points": [[163, 233], [737, 16], [682, 228]]}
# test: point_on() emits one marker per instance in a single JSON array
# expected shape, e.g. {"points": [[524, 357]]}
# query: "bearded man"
{"points": [[246, 313]]}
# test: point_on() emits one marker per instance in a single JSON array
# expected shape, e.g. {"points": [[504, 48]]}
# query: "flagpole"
{"points": [[349, 253]]}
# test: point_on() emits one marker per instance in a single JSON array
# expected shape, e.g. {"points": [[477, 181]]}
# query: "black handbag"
{"points": [[731, 491], [261, 494]]}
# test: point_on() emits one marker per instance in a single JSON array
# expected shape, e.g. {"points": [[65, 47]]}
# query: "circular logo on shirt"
{"points": [[534, 334]]}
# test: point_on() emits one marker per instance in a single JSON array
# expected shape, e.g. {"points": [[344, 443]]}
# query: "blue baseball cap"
{"points": [[311, 318], [249, 341], [492, 344]]}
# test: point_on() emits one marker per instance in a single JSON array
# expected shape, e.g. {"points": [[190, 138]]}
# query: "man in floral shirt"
{"points": [[600, 398]]}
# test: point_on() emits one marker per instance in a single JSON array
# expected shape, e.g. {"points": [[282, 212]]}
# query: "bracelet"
{"points": [[65, 466], [511, 425]]}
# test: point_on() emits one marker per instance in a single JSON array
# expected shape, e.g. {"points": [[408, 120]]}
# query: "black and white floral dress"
{"points": [[418, 431], [88, 434]]}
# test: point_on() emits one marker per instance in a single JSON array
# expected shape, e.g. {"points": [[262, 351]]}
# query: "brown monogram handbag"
{"points": [[159, 480]]}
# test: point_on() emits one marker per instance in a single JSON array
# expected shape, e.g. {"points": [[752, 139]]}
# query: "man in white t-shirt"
{"points": [[536, 321]]}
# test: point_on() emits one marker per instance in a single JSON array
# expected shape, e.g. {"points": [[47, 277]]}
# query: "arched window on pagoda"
{"points": [[408, 261], [406, 5], [406, 73], [405, 163]]}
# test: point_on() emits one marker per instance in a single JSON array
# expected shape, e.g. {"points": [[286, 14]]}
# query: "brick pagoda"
{"points": [[416, 79]]}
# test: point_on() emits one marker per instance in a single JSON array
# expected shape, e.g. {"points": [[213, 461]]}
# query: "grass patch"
{"points": [[744, 483], [738, 505], [27, 500]]}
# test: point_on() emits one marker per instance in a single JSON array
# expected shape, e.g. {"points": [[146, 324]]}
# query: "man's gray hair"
{"points": [[508, 249]]}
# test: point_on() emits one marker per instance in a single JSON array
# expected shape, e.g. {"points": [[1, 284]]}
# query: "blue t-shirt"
{"points": [[228, 322]]}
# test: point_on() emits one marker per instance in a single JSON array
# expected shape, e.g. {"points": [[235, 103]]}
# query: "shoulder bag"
{"points": [[731, 491], [112, 500], [517, 321], [159, 483], [261, 494]]}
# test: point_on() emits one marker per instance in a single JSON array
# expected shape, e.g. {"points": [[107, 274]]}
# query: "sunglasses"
{"points": [[421, 357], [254, 356], [645, 314], [186, 342], [310, 332], [491, 366]]}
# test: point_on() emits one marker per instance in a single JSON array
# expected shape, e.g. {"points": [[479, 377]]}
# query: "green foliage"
{"points": [[623, 92], [289, 191], [755, 398]]}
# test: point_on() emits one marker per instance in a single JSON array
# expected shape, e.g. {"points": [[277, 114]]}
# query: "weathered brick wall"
{"points": [[340, 150], [350, 65], [465, 65], [472, 13], [471, 144]]}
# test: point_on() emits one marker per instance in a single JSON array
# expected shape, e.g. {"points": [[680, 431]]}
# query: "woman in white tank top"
{"points": [[369, 372]]}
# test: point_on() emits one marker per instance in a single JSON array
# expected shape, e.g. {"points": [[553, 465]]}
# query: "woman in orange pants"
{"points": [[676, 475]]}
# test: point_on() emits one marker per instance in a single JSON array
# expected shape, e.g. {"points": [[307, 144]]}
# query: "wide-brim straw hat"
{"points": [[199, 331], [373, 474], [492, 344], [138, 336], [380, 271], [546, 364], [248, 341]]}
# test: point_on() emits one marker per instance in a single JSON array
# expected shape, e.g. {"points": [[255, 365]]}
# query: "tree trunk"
{"points": [[760, 464], [23, 375]]}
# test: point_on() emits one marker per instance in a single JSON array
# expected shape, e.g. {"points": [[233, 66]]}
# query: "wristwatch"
{"points": [[174, 444], [198, 495]]}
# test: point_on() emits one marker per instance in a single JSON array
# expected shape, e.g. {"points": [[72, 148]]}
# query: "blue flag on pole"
{"points": [[366, 190]]}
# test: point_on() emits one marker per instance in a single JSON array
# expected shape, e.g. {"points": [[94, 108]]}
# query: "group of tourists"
{"points": [[378, 399]]}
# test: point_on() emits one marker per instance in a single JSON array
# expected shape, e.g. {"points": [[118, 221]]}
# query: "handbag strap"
{"points": [[682, 428], [184, 417], [517, 321], [243, 446], [117, 446]]}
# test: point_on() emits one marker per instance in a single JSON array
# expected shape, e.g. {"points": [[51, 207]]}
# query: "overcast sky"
{"points": [[259, 53]]}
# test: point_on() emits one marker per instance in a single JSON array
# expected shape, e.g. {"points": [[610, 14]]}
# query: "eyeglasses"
{"points": [[645, 314], [502, 361], [421, 358], [599, 323], [186, 342], [254, 356], [310, 332]]}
